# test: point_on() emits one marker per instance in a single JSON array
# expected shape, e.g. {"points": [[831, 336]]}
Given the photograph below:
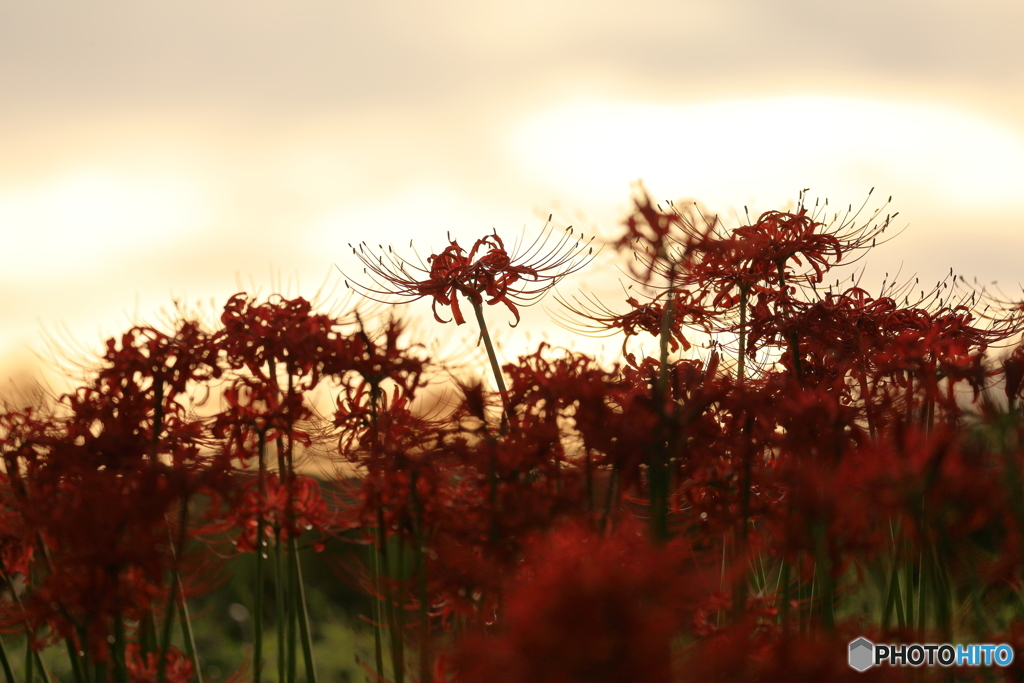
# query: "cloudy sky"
{"points": [[153, 150]]}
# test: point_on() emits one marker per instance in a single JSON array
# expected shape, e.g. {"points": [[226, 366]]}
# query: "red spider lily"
{"points": [[108, 548], [777, 238], [654, 519], [100, 514], [694, 248], [529, 481], [766, 247], [257, 411], [586, 608], [379, 359], [377, 429], [292, 509], [170, 360], [96, 485], [143, 667], [130, 410], [487, 270], [609, 416], [281, 331], [593, 317], [663, 242]]}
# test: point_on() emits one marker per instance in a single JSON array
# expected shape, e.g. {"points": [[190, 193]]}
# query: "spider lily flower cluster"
{"points": [[487, 270], [839, 464]]}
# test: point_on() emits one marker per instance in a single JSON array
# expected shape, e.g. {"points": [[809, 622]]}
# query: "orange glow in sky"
{"points": [[156, 152]]}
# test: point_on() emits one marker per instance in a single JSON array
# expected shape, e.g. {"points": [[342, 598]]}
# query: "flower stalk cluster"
{"points": [[798, 463]]}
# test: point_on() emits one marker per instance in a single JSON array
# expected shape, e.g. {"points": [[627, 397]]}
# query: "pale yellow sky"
{"points": [[157, 150]]}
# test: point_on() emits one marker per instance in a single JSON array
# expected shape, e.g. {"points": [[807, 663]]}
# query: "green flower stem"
{"points": [[507, 416], [31, 654], [257, 617], [659, 472], [421, 575], [78, 672], [824, 567], [3, 650], [399, 613], [923, 585], [908, 594], [895, 585], [390, 610], [292, 630], [378, 647], [808, 624], [784, 581], [42, 667], [147, 633], [176, 588], [282, 585], [299, 593], [943, 599], [8, 673], [279, 586], [740, 588], [69, 642], [188, 635], [901, 615], [172, 598], [892, 598], [118, 650], [377, 547], [165, 639]]}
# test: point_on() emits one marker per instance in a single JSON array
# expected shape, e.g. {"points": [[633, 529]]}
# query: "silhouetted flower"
{"points": [[488, 270]]}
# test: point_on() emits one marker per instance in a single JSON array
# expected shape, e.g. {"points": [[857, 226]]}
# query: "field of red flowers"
{"points": [[799, 463]]}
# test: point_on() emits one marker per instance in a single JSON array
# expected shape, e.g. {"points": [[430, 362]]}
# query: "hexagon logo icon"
{"points": [[862, 654]]}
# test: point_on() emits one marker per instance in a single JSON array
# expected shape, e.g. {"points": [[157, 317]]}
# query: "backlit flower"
{"points": [[487, 270]]}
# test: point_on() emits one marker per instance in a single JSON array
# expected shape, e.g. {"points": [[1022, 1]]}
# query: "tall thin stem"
{"points": [[499, 379], [378, 645], [378, 545], [187, 633], [391, 609], [421, 576], [280, 600], [741, 362], [257, 617], [659, 473], [172, 598], [299, 594], [506, 418], [118, 650], [824, 567], [8, 673], [739, 602], [30, 653]]}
